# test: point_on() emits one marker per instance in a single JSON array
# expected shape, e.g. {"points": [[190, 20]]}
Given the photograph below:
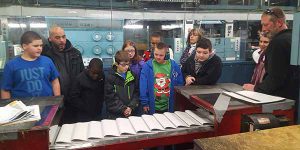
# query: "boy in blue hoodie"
{"points": [[157, 80]]}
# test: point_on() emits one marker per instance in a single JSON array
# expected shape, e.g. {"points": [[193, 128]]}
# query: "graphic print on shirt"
{"points": [[32, 77], [162, 85]]}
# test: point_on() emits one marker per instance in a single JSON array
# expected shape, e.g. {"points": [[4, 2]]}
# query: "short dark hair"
{"points": [[121, 56], [204, 43], [162, 45], [96, 63], [29, 36], [155, 34]]}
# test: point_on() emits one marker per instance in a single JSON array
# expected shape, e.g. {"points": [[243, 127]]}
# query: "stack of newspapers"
{"points": [[17, 112], [86, 134]]}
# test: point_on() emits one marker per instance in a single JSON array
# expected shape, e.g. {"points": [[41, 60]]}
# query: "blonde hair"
{"points": [[265, 34], [197, 31]]}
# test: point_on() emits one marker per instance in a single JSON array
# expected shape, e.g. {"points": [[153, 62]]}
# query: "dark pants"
{"points": [[68, 116], [161, 112]]}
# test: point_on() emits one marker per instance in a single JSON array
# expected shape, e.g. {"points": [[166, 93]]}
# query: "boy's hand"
{"points": [[146, 109], [248, 87], [127, 112], [189, 80]]}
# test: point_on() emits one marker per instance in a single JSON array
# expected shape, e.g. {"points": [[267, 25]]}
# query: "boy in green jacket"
{"points": [[121, 89]]}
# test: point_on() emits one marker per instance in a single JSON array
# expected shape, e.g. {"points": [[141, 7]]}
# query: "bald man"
{"points": [[67, 60]]}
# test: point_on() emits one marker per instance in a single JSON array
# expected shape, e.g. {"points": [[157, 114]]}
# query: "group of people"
{"points": [[136, 85], [133, 86], [273, 73]]}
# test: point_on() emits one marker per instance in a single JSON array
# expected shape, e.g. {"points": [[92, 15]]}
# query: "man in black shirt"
{"points": [[67, 60], [281, 78]]}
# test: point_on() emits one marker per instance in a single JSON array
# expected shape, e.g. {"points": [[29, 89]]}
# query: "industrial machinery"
{"points": [[93, 38], [177, 46], [227, 48], [227, 112], [6, 51], [295, 54], [34, 136]]}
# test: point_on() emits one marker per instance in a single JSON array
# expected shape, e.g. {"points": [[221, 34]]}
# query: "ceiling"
{"points": [[120, 4], [146, 5]]}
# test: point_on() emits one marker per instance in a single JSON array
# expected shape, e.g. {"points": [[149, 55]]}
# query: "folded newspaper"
{"points": [[17, 112]]}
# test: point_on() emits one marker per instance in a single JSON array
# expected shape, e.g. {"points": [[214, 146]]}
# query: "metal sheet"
{"points": [[284, 105], [221, 106]]}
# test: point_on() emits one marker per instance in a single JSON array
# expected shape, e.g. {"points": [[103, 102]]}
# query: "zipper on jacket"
{"points": [[128, 92]]}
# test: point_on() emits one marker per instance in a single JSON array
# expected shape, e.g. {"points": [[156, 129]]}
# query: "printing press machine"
{"points": [[36, 136], [232, 117], [200, 99], [31, 135], [147, 140]]}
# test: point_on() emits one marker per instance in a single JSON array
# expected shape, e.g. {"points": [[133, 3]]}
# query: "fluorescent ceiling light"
{"points": [[210, 22], [72, 12], [172, 26], [17, 25], [38, 25], [133, 26]]}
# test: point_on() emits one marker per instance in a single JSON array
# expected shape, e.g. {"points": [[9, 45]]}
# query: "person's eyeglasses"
{"points": [[271, 12], [129, 50], [124, 64]]}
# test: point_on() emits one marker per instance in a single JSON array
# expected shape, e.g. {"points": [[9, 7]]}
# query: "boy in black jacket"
{"points": [[121, 88], [204, 67], [87, 93]]}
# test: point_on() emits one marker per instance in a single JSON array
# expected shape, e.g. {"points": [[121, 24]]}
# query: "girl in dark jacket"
{"points": [[121, 89], [87, 93]]}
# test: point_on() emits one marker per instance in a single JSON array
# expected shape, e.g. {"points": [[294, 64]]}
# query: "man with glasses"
{"points": [[281, 78], [68, 62]]}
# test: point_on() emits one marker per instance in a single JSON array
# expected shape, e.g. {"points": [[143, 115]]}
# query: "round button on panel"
{"points": [[110, 36], [97, 50], [96, 36], [110, 50]]}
